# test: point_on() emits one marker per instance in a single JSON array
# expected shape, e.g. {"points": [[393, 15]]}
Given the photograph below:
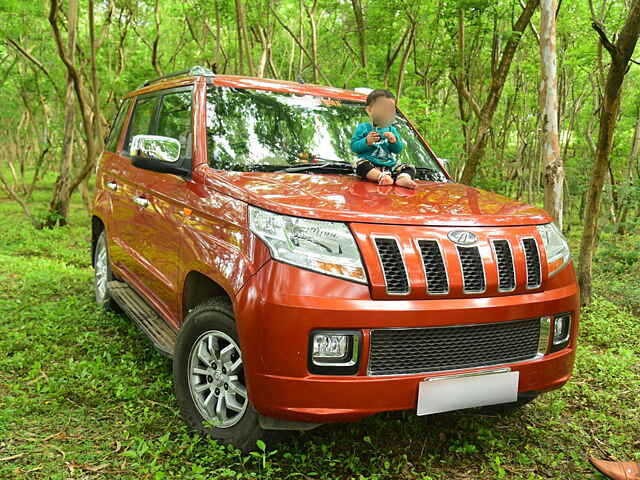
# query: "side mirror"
{"points": [[156, 153], [153, 146]]}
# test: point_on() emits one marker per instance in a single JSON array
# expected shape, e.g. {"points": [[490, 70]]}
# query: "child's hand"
{"points": [[373, 137], [390, 136]]}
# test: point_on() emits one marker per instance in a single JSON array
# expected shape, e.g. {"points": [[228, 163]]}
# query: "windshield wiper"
{"points": [[424, 173], [299, 167], [310, 164], [263, 167], [433, 174], [333, 165]]}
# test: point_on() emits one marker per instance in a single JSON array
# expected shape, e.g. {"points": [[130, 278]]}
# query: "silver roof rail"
{"points": [[193, 71]]}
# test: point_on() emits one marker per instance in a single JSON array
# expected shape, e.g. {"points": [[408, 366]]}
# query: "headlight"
{"points": [[556, 246], [319, 245]]}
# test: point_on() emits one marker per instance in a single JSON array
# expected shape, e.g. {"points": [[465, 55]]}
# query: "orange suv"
{"points": [[229, 224]]}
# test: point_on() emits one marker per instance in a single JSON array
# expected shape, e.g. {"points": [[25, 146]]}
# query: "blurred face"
{"points": [[382, 111]]}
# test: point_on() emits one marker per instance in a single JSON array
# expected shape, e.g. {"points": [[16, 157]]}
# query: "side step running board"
{"points": [[161, 335]]}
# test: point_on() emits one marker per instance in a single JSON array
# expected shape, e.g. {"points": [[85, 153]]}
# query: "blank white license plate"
{"points": [[443, 394]]}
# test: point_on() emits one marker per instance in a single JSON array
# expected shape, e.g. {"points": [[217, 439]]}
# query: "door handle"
{"points": [[143, 202], [111, 185]]}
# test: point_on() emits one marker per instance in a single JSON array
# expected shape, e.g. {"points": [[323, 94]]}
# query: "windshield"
{"points": [[251, 130]]}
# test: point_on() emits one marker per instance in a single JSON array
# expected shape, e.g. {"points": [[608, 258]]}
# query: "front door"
{"points": [[123, 251], [160, 206]]}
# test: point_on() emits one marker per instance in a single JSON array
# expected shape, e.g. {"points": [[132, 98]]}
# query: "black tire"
{"points": [[512, 407], [211, 318], [103, 298]]}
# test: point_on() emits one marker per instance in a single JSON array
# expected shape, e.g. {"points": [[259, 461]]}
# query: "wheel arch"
{"points": [[198, 288], [97, 227]]}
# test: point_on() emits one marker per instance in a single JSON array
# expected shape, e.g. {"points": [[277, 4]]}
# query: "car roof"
{"points": [[259, 83]]}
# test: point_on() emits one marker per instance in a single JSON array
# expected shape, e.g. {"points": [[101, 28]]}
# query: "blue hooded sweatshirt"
{"points": [[381, 153]]}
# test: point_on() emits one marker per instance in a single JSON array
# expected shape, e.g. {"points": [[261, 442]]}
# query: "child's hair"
{"points": [[377, 93]]}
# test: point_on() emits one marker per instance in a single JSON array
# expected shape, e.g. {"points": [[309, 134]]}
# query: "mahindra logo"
{"points": [[462, 237]]}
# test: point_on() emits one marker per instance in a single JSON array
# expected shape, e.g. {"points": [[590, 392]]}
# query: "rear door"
{"points": [[118, 182], [160, 207], [126, 177]]}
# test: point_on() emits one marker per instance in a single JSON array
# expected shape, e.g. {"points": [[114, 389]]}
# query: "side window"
{"points": [[142, 119], [175, 120], [116, 127]]}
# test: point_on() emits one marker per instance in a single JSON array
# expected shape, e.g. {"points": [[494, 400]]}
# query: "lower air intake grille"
{"points": [[533, 262], [433, 349], [472, 271], [395, 274], [506, 274], [433, 266]]}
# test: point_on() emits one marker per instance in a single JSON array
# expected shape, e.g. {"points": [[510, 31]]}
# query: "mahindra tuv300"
{"points": [[229, 224]]}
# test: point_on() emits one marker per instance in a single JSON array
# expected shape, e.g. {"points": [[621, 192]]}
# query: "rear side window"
{"points": [[142, 118], [114, 135], [175, 120]]}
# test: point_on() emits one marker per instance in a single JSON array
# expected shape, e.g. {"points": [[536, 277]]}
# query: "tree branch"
{"points": [[302, 47], [19, 200], [536, 35], [597, 26], [33, 60], [466, 94], [71, 68]]}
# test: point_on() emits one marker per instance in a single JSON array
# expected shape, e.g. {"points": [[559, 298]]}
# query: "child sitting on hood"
{"points": [[377, 143]]}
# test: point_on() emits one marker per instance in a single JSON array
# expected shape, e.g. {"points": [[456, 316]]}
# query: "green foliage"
{"points": [[205, 32], [84, 395]]}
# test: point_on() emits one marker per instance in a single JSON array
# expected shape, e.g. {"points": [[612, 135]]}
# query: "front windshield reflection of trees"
{"points": [[254, 129]]}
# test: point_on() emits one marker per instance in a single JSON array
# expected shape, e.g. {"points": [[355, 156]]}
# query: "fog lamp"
{"points": [[329, 347], [334, 352], [561, 328]]}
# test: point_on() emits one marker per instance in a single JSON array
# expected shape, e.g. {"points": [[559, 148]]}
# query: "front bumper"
{"points": [[279, 306]]}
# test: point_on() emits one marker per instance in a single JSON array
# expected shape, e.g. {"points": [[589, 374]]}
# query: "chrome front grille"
{"points": [[491, 262], [393, 266], [472, 269], [398, 351], [434, 269], [506, 270], [533, 262]]}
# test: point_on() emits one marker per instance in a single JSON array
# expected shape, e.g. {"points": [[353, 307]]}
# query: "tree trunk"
{"points": [[550, 145], [240, 56], [405, 57], [391, 56], [311, 13], [620, 55], [362, 42], [299, 41], [634, 156], [495, 91], [463, 80], [88, 104], [59, 205], [155, 61], [244, 47]]}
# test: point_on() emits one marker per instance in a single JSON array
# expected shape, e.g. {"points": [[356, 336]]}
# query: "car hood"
{"points": [[348, 198]]}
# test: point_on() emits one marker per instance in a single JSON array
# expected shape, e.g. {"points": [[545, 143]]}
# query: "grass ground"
{"points": [[84, 395]]}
